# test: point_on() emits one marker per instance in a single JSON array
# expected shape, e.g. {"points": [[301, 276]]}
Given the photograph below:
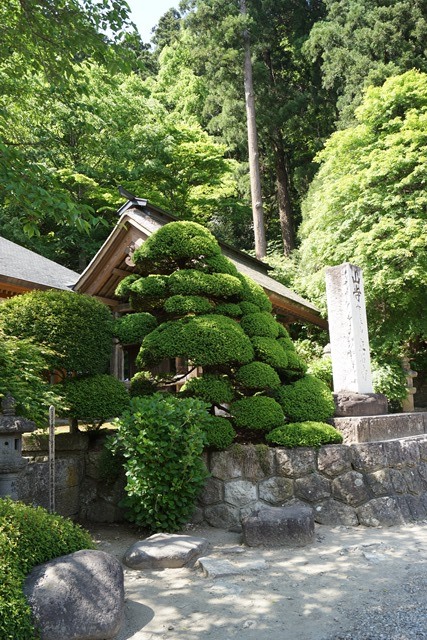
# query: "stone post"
{"points": [[11, 460], [348, 331]]}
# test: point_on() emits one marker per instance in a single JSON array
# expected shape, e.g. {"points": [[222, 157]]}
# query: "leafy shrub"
{"points": [[253, 292], [305, 400], [304, 434], [205, 340], [260, 324], [76, 328], [257, 412], [142, 385], [177, 241], [29, 536], [189, 282], [32, 393], [211, 388], [321, 369], [153, 286], [285, 340], [133, 327], [219, 264], [249, 307], [219, 433], [257, 375], [296, 367], [271, 352], [95, 399], [182, 305], [228, 309], [161, 438], [123, 289], [388, 378]]}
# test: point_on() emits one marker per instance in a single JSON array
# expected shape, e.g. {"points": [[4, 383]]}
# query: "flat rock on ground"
{"points": [[165, 550], [351, 583]]}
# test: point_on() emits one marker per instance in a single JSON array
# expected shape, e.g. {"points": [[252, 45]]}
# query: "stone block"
{"points": [[394, 455], [333, 460], [348, 404], [414, 482], [333, 513], [291, 526], [254, 460], [313, 487], [410, 451], [380, 483], [78, 596], [368, 457], [422, 470], [422, 442], [250, 508], [398, 481], [412, 508], [223, 516], [226, 465], [165, 550], [213, 491], [276, 490], [380, 512], [352, 429], [295, 463], [239, 492], [379, 428], [350, 488]]}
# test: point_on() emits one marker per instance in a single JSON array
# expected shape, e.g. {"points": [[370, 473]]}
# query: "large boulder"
{"points": [[77, 597], [291, 526]]}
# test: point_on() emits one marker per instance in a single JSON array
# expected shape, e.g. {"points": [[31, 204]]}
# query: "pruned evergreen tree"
{"points": [[220, 323]]}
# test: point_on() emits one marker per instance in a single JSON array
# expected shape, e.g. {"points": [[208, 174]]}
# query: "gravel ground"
{"points": [[351, 584]]}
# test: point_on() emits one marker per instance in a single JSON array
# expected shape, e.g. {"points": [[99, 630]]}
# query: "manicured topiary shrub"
{"points": [[271, 352], [133, 327], [304, 434], [141, 384], [219, 434], [76, 328], [306, 399], [257, 412], [94, 399], [29, 536], [211, 388], [260, 324], [161, 438], [257, 375], [215, 320], [182, 305]]}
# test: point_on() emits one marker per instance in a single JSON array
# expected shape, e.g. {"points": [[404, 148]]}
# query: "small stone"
{"points": [[291, 526]]}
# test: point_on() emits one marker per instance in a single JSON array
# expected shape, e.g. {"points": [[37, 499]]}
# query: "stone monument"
{"points": [[11, 461], [348, 331]]}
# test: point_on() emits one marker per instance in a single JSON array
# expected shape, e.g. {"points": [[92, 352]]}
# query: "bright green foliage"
{"points": [[76, 328], [123, 289], [215, 285], [29, 536], [304, 434], [214, 389], [22, 365], [253, 292], [363, 42], [206, 340], [142, 385], [180, 305], [257, 375], [133, 327], [260, 413], [249, 307], [260, 324], [219, 434], [220, 264], [322, 369], [168, 248], [229, 309], [94, 399], [367, 205], [296, 367], [306, 399], [389, 379], [161, 438], [271, 352], [285, 339]]}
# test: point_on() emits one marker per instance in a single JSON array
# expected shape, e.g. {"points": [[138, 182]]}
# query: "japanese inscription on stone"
{"points": [[348, 329]]}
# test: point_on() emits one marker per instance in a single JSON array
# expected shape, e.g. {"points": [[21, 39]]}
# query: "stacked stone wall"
{"points": [[373, 484]]}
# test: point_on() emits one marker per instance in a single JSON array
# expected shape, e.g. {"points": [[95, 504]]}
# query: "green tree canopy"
{"points": [[368, 205]]}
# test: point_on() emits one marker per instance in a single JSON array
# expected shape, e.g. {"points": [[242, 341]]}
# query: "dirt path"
{"points": [[352, 583]]}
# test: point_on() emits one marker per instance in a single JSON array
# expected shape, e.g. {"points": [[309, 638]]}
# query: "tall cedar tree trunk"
{"points": [[283, 199], [256, 195]]}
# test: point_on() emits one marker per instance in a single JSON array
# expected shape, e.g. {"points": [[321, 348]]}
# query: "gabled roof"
{"points": [[23, 270], [138, 220]]}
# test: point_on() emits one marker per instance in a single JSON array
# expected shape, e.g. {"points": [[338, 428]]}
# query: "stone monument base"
{"points": [[386, 427], [349, 403]]}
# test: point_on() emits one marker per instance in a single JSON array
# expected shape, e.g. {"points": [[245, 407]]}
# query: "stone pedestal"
{"points": [[381, 427], [348, 404]]}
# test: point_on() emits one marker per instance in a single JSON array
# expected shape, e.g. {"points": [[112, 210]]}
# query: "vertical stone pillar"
{"points": [[348, 331]]}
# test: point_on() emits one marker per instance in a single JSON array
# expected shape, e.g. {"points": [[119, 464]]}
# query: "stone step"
{"points": [[382, 427]]}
